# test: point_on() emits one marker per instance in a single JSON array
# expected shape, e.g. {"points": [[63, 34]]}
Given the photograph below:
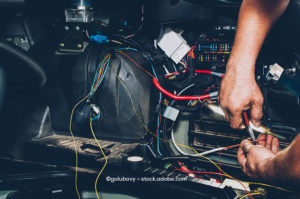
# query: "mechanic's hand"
{"points": [[254, 158], [238, 92]]}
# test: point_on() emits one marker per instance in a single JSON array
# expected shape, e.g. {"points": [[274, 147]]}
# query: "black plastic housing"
{"points": [[119, 119]]}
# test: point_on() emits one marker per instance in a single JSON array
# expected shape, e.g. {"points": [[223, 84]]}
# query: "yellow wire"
{"points": [[75, 147], [97, 179], [252, 194], [132, 103]]}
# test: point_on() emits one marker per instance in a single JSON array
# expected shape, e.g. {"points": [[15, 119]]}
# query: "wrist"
{"points": [[269, 169], [240, 70]]}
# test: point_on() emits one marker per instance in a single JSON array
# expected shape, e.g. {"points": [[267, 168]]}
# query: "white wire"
{"points": [[186, 88], [194, 155], [178, 149], [175, 69]]}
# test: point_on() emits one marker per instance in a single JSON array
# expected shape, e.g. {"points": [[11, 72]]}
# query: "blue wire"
{"points": [[160, 97], [95, 118], [126, 49], [104, 73], [158, 119], [95, 78], [149, 61]]}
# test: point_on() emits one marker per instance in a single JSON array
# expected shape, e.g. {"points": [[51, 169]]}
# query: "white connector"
{"points": [[275, 72], [174, 45]]}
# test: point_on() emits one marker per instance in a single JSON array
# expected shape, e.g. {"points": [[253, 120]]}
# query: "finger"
{"points": [[242, 158], [262, 139], [246, 146], [256, 114], [269, 142], [275, 145], [227, 116], [236, 119], [248, 169]]}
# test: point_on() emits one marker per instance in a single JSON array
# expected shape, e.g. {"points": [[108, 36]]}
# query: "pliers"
{"points": [[249, 128]]}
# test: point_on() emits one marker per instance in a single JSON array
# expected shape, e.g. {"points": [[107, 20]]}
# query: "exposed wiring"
{"points": [[256, 193], [102, 169], [97, 117], [136, 63], [176, 97], [196, 154], [128, 48], [168, 165], [157, 132], [159, 102], [141, 24], [167, 141], [75, 146], [214, 173], [208, 159], [217, 74], [115, 41], [94, 85], [184, 64], [191, 52], [100, 74]]}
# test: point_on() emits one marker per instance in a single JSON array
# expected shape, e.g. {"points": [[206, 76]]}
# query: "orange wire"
{"points": [[136, 63], [100, 73]]}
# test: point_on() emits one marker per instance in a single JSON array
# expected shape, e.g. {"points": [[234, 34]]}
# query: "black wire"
{"points": [[165, 122]]}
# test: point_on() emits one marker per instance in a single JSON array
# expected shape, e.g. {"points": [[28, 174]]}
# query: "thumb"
{"points": [[256, 114], [246, 145]]}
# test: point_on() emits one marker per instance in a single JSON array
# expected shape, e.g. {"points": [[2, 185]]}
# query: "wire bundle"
{"points": [[98, 79], [100, 74]]}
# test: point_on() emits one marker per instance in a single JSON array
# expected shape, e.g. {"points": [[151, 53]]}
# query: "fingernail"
{"points": [[257, 124]]}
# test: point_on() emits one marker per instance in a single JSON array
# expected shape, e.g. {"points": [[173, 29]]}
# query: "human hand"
{"points": [[254, 159], [239, 92]]}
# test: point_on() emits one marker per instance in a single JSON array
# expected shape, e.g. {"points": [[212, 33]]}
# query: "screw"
{"points": [[66, 28], [61, 44], [77, 28], [79, 45]]}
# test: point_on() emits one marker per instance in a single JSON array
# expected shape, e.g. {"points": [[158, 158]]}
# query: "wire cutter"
{"points": [[249, 128]]}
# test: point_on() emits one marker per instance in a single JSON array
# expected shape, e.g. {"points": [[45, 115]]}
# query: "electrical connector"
{"points": [[275, 72], [171, 113], [100, 39], [174, 45]]}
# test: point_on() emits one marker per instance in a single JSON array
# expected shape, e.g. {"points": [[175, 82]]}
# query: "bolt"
{"points": [[77, 28], [293, 70], [61, 44], [66, 28], [79, 45]]}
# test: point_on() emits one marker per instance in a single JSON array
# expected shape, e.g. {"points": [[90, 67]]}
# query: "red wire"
{"points": [[136, 63], [191, 52], [203, 71], [196, 71], [213, 173], [247, 123], [100, 72], [171, 74], [176, 97]]}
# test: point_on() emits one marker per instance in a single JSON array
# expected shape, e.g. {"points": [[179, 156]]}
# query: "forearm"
{"points": [[256, 18], [285, 166]]}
